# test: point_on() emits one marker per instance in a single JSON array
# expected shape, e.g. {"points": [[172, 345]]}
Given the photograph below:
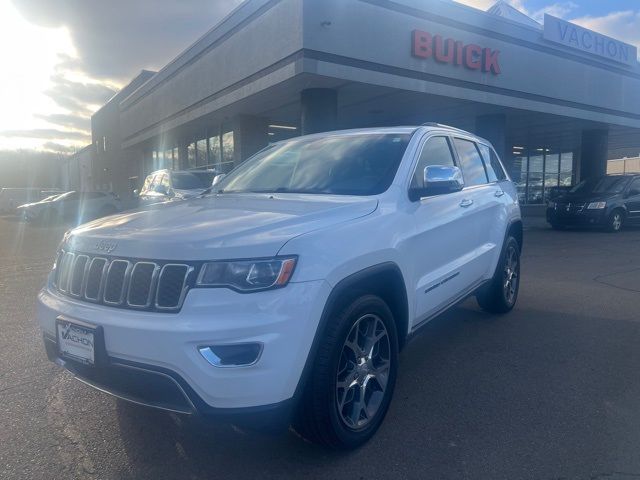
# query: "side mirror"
{"points": [[217, 179], [438, 180]]}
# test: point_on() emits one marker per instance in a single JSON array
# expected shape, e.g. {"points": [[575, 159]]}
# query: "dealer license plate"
{"points": [[76, 342]]}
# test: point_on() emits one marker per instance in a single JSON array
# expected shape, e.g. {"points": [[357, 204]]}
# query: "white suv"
{"points": [[285, 295]]}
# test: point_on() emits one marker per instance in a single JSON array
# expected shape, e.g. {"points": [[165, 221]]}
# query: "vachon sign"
{"points": [[471, 56]]}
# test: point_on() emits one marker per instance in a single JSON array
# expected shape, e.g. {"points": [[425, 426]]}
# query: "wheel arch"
{"points": [[384, 280], [516, 231]]}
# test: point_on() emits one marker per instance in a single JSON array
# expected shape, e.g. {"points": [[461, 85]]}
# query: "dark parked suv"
{"points": [[608, 201]]}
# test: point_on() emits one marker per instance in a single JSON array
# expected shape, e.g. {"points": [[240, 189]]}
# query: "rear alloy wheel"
{"points": [[615, 222], [501, 294], [349, 390]]}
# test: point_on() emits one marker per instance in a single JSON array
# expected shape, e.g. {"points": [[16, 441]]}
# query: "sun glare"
{"points": [[29, 55]]}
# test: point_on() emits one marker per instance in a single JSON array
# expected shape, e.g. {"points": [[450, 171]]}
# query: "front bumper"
{"points": [[165, 346], [583, 218]]}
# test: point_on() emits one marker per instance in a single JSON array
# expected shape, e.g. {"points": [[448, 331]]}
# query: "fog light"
{"points": [[238, 355]]}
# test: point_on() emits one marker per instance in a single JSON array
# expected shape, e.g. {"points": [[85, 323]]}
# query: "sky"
{"points": [[63, 59]]}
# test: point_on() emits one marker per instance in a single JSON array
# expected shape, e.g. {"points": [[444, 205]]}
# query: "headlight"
{"points": [[596, 205], [552, 205], [248, 275]]}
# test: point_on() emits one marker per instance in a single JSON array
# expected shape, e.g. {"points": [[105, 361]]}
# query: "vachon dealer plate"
{"points": [[76, 342]]}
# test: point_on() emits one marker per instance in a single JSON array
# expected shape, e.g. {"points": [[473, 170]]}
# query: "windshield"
{"points": [[191, 180], [352, 164], [601, 185]]}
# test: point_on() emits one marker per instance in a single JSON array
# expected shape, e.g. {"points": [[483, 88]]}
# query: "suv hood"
{"points": [[216, 227], [584, 198]]}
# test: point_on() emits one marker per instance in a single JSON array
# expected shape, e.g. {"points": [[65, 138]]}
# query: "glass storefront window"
{"points": [[551, 168], [176, 158], [566, 169], [191, 155], [534, 179], [215, 151], [201, 153], [227, 152], [539, 175], [518, 173]]}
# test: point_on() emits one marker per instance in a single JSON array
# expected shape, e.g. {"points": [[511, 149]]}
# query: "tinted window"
{"points": [[491, 163], [471, 162], [634, 188], [191, 180], [435, 152], [610, 184], [353, 164]]}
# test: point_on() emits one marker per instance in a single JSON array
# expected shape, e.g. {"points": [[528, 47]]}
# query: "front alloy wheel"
{"points": [[615, 221], [351, 383], [363, 372]]}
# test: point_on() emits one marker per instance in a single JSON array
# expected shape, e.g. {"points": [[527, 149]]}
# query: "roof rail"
{"points": [[441, 125]]}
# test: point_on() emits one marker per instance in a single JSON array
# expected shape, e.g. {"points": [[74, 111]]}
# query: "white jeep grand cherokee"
{"points": [[285, 295]]}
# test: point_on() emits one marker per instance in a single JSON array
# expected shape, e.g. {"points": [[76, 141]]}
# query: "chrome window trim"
{"points": [[124, 282], [104, 267], [184, 290], [66, 272], [57, 265], [152, 287], [73, 274]]}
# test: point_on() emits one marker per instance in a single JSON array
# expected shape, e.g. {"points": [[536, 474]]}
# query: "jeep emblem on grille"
{"points": [[106, 246]]}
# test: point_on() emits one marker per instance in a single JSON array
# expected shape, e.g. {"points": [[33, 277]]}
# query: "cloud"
{"points": [[46, 133], [560, 10], [108, 43], [117, 38], [78, 98], [622, 25], [58, 148], [76, 122]]}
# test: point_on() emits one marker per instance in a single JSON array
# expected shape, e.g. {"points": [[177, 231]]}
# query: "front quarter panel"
{"points": [[334, 253]]}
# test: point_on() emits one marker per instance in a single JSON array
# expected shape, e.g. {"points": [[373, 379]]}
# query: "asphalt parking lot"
{"points": [[550, 391]]}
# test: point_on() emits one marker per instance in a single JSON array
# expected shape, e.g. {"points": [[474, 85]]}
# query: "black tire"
{"points": [[319, 417], [615, 221], [498, 296]]}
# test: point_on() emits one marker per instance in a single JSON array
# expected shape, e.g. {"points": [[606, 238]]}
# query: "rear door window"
{"points": [[491, 163], [471, 162]]}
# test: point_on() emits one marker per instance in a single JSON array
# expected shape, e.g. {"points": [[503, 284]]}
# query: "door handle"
{"points": [[467, 202], [499, 193]]}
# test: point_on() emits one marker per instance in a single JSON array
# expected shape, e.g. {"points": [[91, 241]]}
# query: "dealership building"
{"points": [[557, 100]]}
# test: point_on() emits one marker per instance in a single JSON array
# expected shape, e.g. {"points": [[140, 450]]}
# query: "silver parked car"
{"points": [[72, 206]]}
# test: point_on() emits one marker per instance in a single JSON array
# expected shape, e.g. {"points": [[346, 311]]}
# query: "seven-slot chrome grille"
{"points": [[124, 283]]}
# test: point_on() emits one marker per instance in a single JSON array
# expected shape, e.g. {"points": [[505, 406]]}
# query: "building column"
{"points": [[593, 153], [319, 110], [494, 129], [250, 135]]}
